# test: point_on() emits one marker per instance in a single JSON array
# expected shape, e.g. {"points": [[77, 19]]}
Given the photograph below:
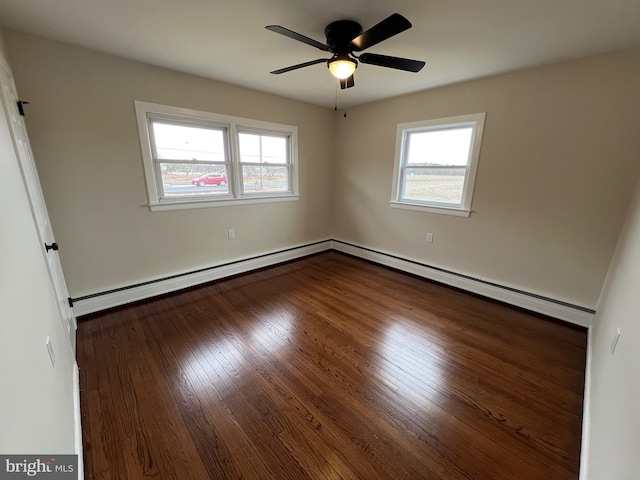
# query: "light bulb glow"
{"points": [[342, 68]]}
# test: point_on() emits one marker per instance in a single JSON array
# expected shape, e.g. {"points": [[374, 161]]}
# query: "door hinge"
{"points": [[70, 300], [20, 103]]}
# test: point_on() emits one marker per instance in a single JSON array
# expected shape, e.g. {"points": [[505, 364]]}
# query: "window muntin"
{"points": [[436, 161], [197, 159]]}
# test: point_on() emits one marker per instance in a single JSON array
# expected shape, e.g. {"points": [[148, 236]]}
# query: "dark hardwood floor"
{"points": [[329, 367]]}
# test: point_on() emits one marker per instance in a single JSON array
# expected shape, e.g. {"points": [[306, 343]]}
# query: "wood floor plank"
{"points": [[521, 430], [410, 385], [293, 402], [214, 454], [329, 367]]}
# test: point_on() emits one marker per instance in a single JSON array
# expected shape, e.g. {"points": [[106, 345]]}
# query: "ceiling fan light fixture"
{"points": [[342, 66]]}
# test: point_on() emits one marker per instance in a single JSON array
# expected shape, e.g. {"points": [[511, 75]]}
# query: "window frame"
{"points": [[261, 132], [463, 209], [147, 112]]}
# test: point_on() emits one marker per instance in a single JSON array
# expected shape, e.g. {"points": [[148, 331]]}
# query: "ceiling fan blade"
{"points": [[296, 36], [347, 82], [392, 62], [387, 28], [300, 65]]}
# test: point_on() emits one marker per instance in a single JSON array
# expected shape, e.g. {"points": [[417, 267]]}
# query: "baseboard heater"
{"points": [[96, 302]]}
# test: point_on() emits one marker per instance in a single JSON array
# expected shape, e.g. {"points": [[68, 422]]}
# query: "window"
{"points": [[196, 159], [436, 162], [263, 157]]}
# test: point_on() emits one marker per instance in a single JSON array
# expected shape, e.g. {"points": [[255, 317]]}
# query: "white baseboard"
{"points": [[78, 420], [586, 412], [561, 311], [114, 298], [84, 306]]}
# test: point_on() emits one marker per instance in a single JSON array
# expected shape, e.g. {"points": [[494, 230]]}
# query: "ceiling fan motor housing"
{"points": [[339, 34]]}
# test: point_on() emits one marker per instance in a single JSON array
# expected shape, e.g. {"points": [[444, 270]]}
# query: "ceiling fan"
{"points": [[344, 37]]}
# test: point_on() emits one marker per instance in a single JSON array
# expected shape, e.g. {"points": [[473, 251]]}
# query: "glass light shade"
{"points": [[342, 68]]}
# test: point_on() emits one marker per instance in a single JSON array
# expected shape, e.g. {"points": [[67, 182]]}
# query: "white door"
{"points": [[38, 206]]}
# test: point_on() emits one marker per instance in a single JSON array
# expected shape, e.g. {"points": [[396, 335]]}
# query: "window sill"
{"points": [[189, 204], [456, 212]]}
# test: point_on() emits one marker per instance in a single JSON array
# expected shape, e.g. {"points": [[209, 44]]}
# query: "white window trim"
{"points": [[476, 121], [156, 203]]}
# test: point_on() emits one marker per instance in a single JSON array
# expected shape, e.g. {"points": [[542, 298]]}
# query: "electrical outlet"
{"points": [[231, 234], [429, 237], [52, 354]]}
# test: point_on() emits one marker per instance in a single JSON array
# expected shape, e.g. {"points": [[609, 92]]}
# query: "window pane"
{"points": [[255, 148], [442, 185], [187, 179], [178, 142], [439, 147], [265, 179]]}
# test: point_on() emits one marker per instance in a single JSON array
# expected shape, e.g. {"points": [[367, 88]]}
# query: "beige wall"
{"points": [[83, 132], [556, 171], [614, 395], [558, 162]]}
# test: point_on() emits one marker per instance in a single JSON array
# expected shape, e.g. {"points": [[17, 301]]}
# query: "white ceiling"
{"points": [[226, 39]]}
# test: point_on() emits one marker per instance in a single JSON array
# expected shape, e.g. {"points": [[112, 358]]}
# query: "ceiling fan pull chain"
{"points": [[335, 108]]}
